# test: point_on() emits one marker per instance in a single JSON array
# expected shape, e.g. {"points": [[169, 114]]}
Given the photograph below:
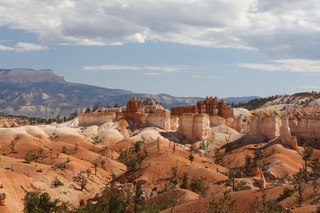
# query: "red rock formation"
{"points": [[184, 109], [210, 106], [225, 110], [135, 105], [259, 178]]}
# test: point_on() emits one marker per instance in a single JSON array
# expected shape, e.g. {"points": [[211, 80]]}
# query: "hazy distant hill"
{"points": [[42, 93]]}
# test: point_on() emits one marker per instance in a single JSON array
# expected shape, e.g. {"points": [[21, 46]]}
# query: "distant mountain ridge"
{"points": [[42, 93]]}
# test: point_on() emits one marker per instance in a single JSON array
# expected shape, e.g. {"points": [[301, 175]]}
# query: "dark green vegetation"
{"points": [[255, 103]]}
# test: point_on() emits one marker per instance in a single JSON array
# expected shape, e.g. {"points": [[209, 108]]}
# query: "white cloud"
{"points": [[285, 28], [206, 76], [23, 47], [287, 65], [151, 69], [152, 73]]}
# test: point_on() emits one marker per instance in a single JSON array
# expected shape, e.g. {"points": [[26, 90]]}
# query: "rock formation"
{"points": [[195, 127], [273, 127], [137, 112], [210, 106], [285, 134], [268, 126], [160, 118], [135, 105], [305, 128]]}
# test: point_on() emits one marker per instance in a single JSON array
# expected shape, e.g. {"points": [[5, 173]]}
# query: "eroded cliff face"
{"points": [[274, 127], [306, 128], [268, 126], [194, 127], [160, 118], [285, 134], [96, 118], [137, 113], [201, 127]]}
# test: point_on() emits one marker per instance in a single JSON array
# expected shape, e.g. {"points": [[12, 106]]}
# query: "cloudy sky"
{"points": [[180, 47]]}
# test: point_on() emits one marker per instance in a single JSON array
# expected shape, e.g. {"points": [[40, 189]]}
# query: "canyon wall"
{"points": [[268, 126], [274, 127], [306, 128]]}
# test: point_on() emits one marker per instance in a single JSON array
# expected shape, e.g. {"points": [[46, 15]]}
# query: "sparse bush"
{"points": [[197, 186], [61, 166], [285, 194], [56, 183], [64, 150], [218, 156], [137, 146], [81, 180], [191, 157], [224, 205], [28, 158], [184, 181]]}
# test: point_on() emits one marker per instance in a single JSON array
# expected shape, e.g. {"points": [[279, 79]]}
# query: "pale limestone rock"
{"points": [[268, 126], [160, 118], [195, 127], [307, 128], [96, 118]]}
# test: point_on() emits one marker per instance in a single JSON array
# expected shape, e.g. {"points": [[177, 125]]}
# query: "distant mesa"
{"points": [[29, 76]]}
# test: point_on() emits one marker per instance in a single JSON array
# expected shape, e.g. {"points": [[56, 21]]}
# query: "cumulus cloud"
{"points": [[152, 70], [23, 47], [287, 65], [285, 28]]}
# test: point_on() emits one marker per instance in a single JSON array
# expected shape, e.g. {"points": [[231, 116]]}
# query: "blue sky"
{"points": [[184, 48]]}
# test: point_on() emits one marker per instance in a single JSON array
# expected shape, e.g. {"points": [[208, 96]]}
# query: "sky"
{"points": [[180, 47]]}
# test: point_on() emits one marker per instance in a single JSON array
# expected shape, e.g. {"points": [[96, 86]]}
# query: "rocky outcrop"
{"points": [[225, 110], [210, 106], [177, 111], [12, 122], [96, 118], [306, 128], [194, 127], [285, 134], [160, 118], [137, 113], [201, 127], [135, 105], [274, 127], [259, 178], [174, 122], [268, 126], [186, 125]]}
